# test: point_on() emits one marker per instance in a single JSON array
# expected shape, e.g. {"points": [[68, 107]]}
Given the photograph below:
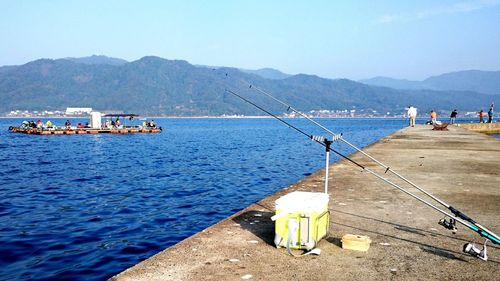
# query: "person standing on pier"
{"points": [[490, 115], [453, 116], [412, 115], [481, 115]]}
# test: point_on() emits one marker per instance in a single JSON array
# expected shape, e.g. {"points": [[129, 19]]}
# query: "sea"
{"points": [[86, 207]]}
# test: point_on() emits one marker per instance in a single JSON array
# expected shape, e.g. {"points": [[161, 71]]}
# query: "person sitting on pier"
{"points": [[433, 117], [113, 125], [49, 124], [152, 123], [80, 125], [117, 122]]}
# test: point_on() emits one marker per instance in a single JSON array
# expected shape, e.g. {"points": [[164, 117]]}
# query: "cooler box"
{"points": [[301, 219]]}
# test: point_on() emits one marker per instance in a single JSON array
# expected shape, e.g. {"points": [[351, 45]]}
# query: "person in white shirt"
{"points": [[412, 115]]}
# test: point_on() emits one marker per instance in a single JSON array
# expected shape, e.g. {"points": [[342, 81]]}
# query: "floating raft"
{"points": [[83, 131]]}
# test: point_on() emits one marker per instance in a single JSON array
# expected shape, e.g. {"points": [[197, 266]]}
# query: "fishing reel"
{"points": [[450, 224], [473, 250]]}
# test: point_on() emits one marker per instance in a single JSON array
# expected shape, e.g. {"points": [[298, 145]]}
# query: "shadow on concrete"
{"points": [[424, 247], [441, 253], [259, 223], [410, 230], [430, 249], [421, 232], [335, 241]]}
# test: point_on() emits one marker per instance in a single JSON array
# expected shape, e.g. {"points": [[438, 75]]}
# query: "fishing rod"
{"points": [[449, 224], [387, 168]]}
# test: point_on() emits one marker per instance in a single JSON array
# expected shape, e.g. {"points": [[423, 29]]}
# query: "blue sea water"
{"points": [[85, 207]]}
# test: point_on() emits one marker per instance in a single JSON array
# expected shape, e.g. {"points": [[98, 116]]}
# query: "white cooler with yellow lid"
{"points": [[301, 219]]}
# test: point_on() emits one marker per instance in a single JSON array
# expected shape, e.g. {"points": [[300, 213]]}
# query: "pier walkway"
{"points": [[461, 167]]}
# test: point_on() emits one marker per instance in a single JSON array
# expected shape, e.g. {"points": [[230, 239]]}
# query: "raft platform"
{"points": [[83, 131], [458, 165]]}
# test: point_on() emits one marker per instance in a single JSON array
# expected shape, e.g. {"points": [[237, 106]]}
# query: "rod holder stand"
{"points": [[327, 164]]}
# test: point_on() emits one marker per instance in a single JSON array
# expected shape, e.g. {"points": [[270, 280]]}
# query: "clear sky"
{"points": [[333, 39]]}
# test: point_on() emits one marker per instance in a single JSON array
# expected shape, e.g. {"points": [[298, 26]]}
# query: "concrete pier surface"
{"points": [[459, 166]]}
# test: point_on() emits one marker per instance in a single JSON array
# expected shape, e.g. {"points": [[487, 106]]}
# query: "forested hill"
{"points": [[156, 86]]}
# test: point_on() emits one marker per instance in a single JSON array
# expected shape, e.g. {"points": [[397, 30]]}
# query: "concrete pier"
{"points": [[459, 166]]}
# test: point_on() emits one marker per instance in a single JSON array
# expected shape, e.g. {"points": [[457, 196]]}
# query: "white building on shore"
{"points": [[78, 110]]}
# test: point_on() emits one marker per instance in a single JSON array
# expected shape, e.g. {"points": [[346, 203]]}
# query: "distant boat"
{"points": [[113, 124]]}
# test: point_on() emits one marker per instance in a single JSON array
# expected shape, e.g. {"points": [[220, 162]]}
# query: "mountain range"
{"points": [[161, 87], [487, 82]]}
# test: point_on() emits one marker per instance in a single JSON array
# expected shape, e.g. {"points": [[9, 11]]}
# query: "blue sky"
{"points": [[333, 39]]}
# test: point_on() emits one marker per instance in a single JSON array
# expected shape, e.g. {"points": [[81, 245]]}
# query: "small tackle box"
{"points": [[356, 242]]}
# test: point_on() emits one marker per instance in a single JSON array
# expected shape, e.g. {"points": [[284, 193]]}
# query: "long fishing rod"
{"points": [[455, 211], [451, 224], [318, 140]]}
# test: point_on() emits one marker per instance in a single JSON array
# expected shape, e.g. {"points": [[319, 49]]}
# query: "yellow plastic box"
{"points": [[301, 219], [356, 242]]}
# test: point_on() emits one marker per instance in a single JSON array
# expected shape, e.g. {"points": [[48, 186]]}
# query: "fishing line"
{"points": [[269, 113]]}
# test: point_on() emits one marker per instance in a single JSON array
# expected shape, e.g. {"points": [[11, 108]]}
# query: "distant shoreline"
{"points": [[208, 117]]}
